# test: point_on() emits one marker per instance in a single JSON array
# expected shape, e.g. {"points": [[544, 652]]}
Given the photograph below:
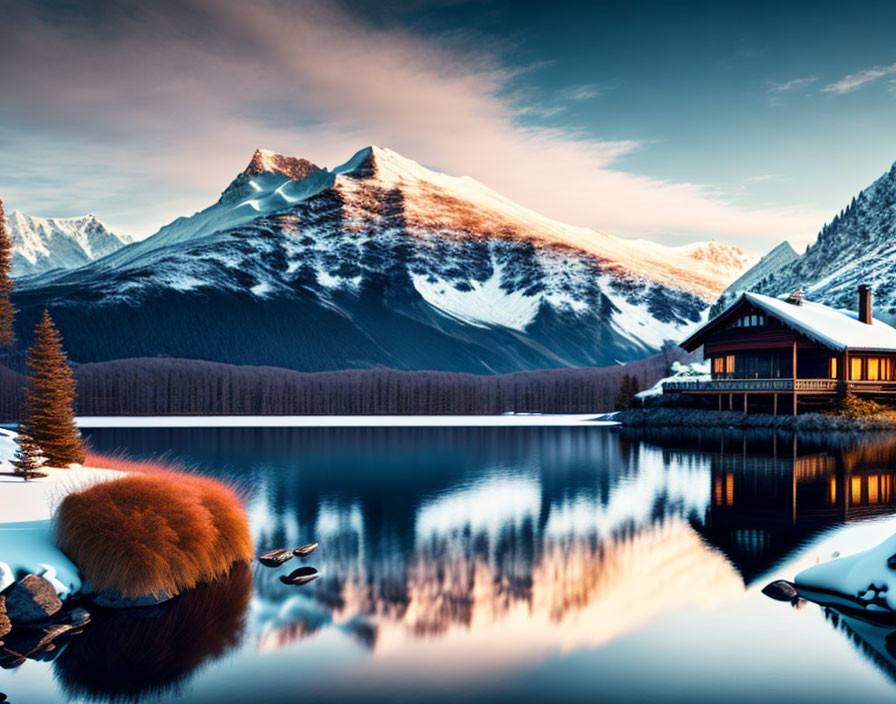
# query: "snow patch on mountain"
{"points": [[481, 303], [42, 244]]}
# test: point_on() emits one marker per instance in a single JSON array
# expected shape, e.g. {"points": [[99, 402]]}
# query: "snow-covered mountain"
{"points": [[857, 247], [41, 244], [755, 276], [381, 261]]}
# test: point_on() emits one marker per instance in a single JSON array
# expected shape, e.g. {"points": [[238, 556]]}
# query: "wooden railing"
{"points": [[784, 385]]}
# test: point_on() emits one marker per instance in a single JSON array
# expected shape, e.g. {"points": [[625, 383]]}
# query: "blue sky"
{"points": [[747, 122]]}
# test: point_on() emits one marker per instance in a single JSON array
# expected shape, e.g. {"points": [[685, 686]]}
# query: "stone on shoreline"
{"points": [[31, 599]]}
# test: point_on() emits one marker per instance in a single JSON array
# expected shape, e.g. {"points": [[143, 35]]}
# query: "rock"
{"points": [[303, 575], [2, 697], [109, 600], [6, 576], [31, 599], [27, 641], [780, 590], [9, 659], [891, 562], [275, 558], [306, 550], [78, 617], [5, 625]]}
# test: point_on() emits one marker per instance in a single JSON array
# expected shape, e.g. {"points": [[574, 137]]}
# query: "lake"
{"points": [[508, 564]]}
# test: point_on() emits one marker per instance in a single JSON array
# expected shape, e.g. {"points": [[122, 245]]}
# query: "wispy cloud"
{"points": [[791, 85], [152, 107], [583, 92], [762, 178], [858, 79]]}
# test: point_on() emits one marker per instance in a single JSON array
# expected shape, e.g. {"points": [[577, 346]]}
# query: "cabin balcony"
{"points": [[802, 386]]}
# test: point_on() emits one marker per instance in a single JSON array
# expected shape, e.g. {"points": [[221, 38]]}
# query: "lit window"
{"points": [[873, 369], [754, 320], [855, 368], [718, 365], [729, 364], [833, 368], [886, 368]]}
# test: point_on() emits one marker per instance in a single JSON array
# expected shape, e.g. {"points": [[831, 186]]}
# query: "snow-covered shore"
{"points": [[378, 421], [26, 507]]}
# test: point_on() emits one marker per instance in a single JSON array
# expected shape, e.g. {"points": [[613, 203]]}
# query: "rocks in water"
{"points": [[78, 617], [891, 561], [9, 659], [6, 576], [29, 642], [275, 558], [31, 599], [306, 550], [780, 590], [303, 575], [5, 624]]}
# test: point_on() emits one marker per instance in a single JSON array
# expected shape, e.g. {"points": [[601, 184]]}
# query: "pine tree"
{"points": [[51, 393], [25, 462], [625, 394], [7, 312]]}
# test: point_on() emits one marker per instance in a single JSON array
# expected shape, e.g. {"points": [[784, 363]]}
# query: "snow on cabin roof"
{"points": [[831, 327]]}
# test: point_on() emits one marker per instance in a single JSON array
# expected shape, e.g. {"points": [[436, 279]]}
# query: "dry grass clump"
{"points": [[152, 534]]}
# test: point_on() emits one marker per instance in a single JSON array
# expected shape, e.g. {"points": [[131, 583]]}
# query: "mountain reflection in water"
{"points": [[499, 545]]}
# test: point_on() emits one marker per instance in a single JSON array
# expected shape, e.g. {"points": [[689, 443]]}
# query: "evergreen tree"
{"points": [[625, 395], [25, 463], [7, 336], [51, 393]]}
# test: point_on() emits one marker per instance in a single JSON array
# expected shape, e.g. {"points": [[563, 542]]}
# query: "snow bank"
{"points": [[26, 535], [697, 371], [865, 576]]}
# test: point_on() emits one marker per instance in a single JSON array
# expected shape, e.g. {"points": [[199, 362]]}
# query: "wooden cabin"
{"points": [[775, 354]]}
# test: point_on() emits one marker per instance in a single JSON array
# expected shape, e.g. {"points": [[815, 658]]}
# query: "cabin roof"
{"points": [[835, 328]]}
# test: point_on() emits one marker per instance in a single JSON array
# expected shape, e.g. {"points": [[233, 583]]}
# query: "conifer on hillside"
{"points": [[50, 397], [625, 394], [7, 312], [26, 462]]}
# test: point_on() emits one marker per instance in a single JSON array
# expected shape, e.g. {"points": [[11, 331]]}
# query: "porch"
{"points": [[774, 395]]}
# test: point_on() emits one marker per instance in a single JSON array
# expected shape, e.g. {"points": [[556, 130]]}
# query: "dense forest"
{"points": [[162, 386]]}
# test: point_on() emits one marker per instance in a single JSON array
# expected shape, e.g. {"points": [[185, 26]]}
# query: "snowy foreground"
{"points": [[371, 421], [26, 537]]}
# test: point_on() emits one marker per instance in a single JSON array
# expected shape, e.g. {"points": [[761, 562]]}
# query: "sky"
{"points": [[749, 122]]}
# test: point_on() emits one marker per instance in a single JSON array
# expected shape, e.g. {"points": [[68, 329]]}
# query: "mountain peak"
{"points": [[265, 161]]}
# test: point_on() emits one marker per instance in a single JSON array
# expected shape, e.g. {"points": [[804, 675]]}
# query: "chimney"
{"points": [[865, 304]]}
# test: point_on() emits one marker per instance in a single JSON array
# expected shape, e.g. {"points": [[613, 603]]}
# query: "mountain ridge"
{"points": [[41, 244], [858, 246], [394, 265]]}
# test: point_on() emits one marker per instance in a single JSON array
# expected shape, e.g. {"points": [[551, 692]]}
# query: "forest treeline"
{"points": [[163, 386]]}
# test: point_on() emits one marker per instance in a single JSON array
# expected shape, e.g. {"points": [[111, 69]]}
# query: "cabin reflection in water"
{"points": [[772, 492]]}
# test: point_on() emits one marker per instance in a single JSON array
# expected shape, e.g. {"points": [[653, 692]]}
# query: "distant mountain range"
{"points": [[379, 262], [43, 244], [857, 247]]}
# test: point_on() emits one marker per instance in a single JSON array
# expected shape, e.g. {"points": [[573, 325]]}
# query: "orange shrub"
{"points": [[153, 533]]}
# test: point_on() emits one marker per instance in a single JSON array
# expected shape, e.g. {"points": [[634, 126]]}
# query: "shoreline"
{"points": [[674, 417], [351, 421]]}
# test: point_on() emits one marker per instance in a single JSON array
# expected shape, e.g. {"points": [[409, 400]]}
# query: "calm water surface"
{"points": [[493, 564]]}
